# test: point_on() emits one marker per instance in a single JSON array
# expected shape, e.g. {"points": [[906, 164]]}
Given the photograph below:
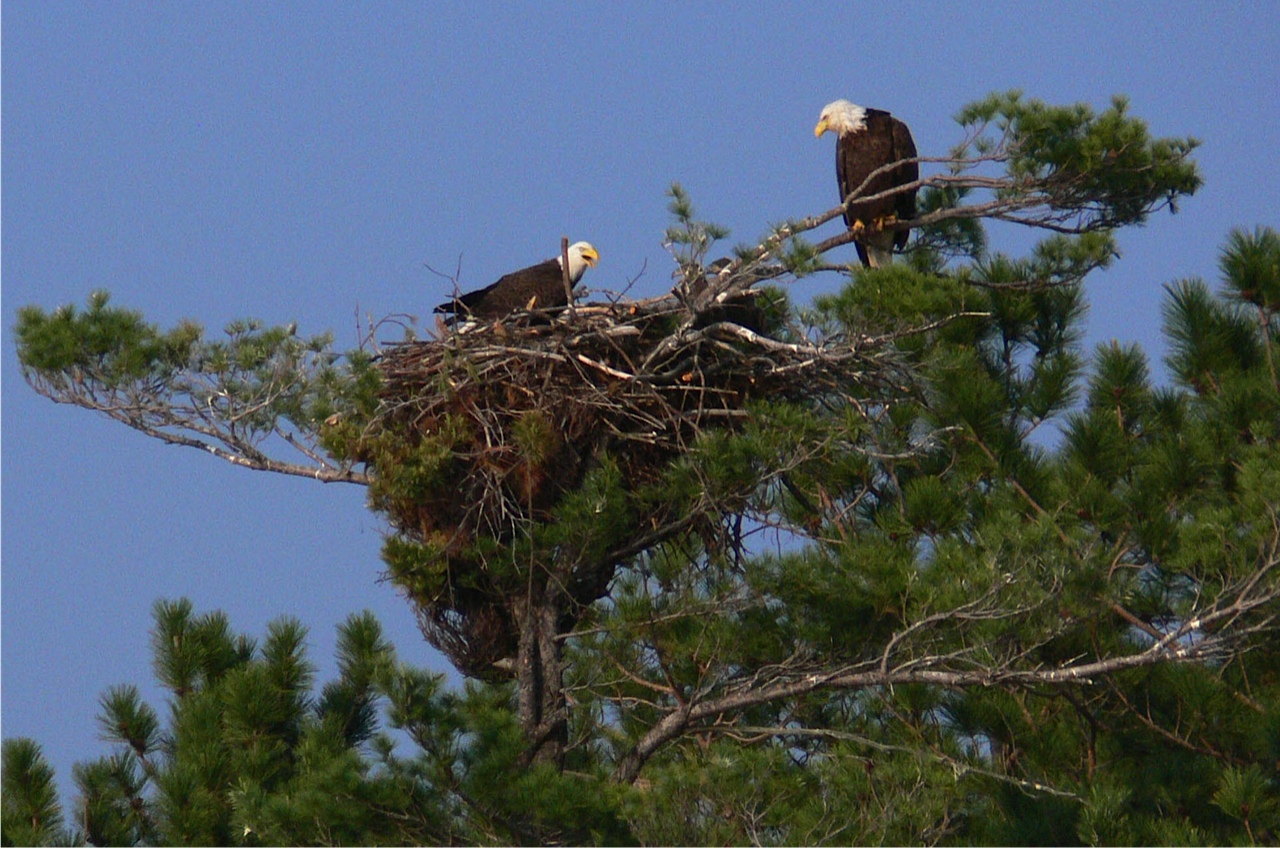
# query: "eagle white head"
{"points": [[840, 116], [581, 257]]}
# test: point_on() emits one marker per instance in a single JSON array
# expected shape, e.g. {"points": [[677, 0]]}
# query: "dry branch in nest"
{"points": [[481, 433]]}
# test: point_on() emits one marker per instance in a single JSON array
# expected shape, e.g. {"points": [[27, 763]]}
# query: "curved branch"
{"points": [[194, 427]]}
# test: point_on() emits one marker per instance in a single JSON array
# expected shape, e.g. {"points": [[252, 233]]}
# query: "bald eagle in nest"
{"points": [[539, 286], [868, 139]]}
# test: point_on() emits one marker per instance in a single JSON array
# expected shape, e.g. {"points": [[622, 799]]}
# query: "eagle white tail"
{"points": [[879, 257]]}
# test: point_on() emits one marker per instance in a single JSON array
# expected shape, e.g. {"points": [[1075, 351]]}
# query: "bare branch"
{"points": [[228, 413]]}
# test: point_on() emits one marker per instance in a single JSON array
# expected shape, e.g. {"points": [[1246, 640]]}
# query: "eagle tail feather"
{"points": [[879, 256]]}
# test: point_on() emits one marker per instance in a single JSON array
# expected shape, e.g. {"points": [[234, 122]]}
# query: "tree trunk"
{"points": [[540, 695]]}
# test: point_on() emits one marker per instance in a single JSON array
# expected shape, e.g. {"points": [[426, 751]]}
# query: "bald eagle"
{"points": [[539, 286], [868, 139]]}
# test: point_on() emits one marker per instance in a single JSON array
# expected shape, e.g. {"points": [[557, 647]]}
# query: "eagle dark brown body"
{"points": [[869, 139], [539, 286]]}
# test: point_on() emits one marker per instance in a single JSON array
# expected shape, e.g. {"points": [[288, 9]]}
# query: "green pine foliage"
{"points": [[1103, 170], [31, 812], [250, 754]]}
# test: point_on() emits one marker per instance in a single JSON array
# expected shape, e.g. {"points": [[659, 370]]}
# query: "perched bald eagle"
{"points": [[539, 286], [868, 139]]}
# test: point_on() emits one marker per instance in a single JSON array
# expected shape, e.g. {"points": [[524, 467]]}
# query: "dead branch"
{"points": [[199, 412]]}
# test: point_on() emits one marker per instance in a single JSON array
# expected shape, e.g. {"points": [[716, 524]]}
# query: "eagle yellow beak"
{"points": [[590, 257], [820, 128]]}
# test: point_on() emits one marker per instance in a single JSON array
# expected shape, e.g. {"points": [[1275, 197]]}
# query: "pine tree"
{"points": [[871, 602], [31, 812]]}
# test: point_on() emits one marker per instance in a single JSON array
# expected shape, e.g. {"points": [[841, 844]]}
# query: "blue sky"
{"points": [[305, 161]]}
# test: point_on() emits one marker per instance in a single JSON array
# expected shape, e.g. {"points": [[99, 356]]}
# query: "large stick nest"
{"points": [[496, 423]]}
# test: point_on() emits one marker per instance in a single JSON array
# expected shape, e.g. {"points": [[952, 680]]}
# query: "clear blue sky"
{"points": [[303, 160]]}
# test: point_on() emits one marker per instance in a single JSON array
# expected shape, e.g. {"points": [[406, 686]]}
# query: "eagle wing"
{"points": [[904, 147], [541, 284], [885, 139]]}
